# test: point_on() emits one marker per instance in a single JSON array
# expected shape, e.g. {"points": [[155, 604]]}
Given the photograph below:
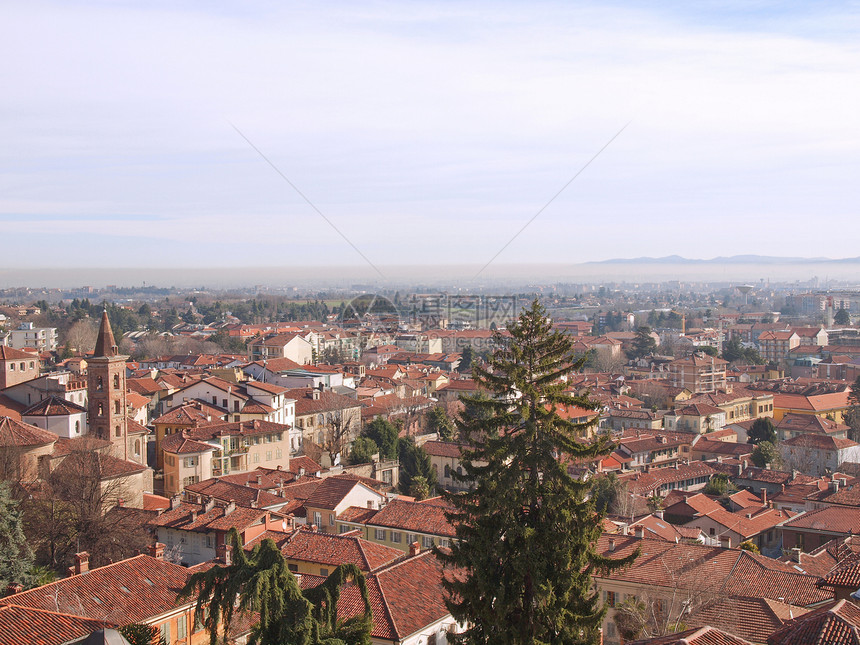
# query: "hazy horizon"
{"points": [[453, 277]]}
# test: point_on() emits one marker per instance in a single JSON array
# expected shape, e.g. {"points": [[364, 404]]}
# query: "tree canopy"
{"points": [[384, 434], [762, 430], [526, 533], [261, 582]]}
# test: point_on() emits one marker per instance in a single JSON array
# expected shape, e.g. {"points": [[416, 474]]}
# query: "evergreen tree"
{"points": [[16, 557], [644, 343], [526, 533], [766, 453], [842, 317], [363, 449], [414, 464], [260, 581], [385, 435], [762, 430], [439, 422]]}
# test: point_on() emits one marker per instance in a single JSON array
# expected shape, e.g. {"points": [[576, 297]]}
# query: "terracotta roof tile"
{"points": [[837, 624], [22, 435]]}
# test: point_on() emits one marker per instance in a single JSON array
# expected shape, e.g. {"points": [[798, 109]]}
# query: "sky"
{"points": [[229, 134]]}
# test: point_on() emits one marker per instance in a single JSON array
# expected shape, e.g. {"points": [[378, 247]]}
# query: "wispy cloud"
{"points": [[429, 131]]}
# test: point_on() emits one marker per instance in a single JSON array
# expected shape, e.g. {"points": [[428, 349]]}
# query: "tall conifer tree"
{"points": [[526, 533]]}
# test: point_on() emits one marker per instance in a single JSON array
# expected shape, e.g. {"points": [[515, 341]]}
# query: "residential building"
{"points": [[698, 373], [334, 495], [328, 419], [17, 366], [401, 523], [793, 424], [42, 339], [812, 529], [816, 455], [139, 590], [287, 345]]}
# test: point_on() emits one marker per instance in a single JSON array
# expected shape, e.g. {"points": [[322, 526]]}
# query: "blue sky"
{"points": [[427, 132]]}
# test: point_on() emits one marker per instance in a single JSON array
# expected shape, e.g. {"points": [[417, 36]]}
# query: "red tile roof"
{"points": [[331, 491], [130, 591], [418, 517], [23, 435], [697, 636], [837, 624], [334, 550], [53, 406], [831, 519], [725, 571], [42, 627]]}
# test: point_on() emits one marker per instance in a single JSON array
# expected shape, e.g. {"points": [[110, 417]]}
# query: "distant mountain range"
{"points": [[735, 259]]}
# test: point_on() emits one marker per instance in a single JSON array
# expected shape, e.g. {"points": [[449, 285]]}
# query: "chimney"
{"points": [[194, 514], [14, 588], [156, 550], [612, 544], [253, 503], [658, 514], [230, 507], [82, 562], [120, 502], [175, 501], [834, 487], [797, 554], [639, 531], [209, 504], [764, 496], [224, 554], [315, 395], [414, 549], [259, 480]]}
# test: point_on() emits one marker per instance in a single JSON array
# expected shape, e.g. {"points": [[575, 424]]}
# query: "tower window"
{"points": [[117, 431], [116, 407], [100, 384], [116, 380], [101, 409]]}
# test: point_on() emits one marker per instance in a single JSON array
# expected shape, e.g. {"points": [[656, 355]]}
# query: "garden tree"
{"points": [[74, 511], [644, 344], [414, 463], [363, 449], [766, 453], [439, 422], [419, 489], [735, 352], [260, 582], [762, 430], [749, 545], [720, 485], [841, 317], [606, 491], [854, 395], [81, 336], [525, 549], [465, 364], [707, 349], [384, 434], [140, 634], [16, 556]]}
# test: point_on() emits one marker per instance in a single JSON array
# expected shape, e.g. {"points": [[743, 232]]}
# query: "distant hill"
{"points": [[734, 259]]}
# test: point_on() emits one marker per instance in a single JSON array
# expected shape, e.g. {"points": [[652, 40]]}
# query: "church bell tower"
{"points": [[107, 408]]}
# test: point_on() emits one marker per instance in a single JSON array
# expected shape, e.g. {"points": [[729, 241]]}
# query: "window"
{"points": [[426, 541], [379, 534], [214, 400], [77, 427], [268, 455], [279, 453], [116, 407], [293, 567], [256, 457], [331, 519], [32, 365], [181, 627], [165, 632], [100, 384], [235, 405], [323, 572], [410, 538], [396, 537], [101, 409], [224, 403], [137, 447], [116, 380], [317, 518], [11, 367], [711, 531], [611, 598], [386, 476], [117, 431]]}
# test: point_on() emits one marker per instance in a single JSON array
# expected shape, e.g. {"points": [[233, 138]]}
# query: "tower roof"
{"points": [[105, 343]]}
